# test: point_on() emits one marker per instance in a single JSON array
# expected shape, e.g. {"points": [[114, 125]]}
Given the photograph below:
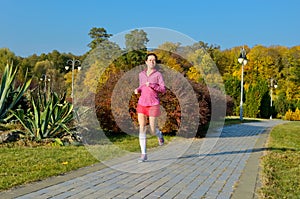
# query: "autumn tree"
{"points": [[95, 67]]}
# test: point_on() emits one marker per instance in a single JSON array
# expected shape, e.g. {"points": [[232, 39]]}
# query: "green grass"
{"points": [[281, 165], [20, 165]]}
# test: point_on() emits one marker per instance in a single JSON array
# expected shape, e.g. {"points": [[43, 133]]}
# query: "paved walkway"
{"points": [[224, 166]]}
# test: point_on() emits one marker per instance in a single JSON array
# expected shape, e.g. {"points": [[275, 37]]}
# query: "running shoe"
{"points": [[161, 141], [160, 137], [143, 158]]}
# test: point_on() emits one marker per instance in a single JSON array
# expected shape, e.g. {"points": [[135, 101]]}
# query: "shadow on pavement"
{"points": [[237, 152]]}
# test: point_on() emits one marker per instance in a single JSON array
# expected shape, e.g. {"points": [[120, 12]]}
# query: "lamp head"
{"points": [[240, 59], [243, 58]]}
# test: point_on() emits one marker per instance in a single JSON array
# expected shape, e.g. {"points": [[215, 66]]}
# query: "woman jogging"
{"points": [[151, 83]]}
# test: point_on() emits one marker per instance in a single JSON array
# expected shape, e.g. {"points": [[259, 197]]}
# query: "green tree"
{"points": [[206, 67], [265, 107], [7, 56], [131, 59], [98, 35], [136, 40], [169, 46], [41, 67], [220, 59], [94, 67], [254, 96], [233, 88]]}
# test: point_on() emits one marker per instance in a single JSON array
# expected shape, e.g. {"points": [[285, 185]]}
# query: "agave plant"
{"points": [[49, 117], [9, 95]]}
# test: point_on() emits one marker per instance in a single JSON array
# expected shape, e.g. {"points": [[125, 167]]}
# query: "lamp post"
{"points": [[242, 60], [45, 79], [272, 85], [74, 62]]}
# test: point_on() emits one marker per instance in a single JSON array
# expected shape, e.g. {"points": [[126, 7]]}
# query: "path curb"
{"points": [[249, 182]]}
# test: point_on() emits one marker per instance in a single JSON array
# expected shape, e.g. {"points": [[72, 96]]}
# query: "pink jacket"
{"points": [[149, 94]]}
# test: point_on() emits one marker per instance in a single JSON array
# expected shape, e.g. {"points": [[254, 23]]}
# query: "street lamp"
{"points": [[45, 79], [74, 62], [271, 94], [242, 60]]}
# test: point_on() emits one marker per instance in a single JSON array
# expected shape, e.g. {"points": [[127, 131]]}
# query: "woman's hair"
{"points": [[151, 54]]}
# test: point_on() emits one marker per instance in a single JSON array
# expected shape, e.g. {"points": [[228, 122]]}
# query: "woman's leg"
{"points": [[142, 132], [153, 125], [155, 131]]}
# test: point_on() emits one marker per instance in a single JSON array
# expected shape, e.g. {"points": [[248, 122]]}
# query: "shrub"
{"points": [[9, 95], [49, 117], [293, 116], [168, 101], [297, 114]]}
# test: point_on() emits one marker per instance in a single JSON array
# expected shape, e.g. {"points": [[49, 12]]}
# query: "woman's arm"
{"points": [[159, 86]]}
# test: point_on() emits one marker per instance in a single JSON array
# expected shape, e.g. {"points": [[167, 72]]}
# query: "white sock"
{"points": [[158, 133], [143, 140]]}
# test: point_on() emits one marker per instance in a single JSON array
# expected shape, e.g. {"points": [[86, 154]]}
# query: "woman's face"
{"points": [[151, 62]]}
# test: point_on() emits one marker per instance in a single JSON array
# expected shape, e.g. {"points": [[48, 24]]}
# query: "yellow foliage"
{"points": [[193, 74], [297, 114], [294, 116], [289, 115], [173, 64], [236, 73], [68, 79], [246, 86], [169, 61], [291, 91], [96, 74]]}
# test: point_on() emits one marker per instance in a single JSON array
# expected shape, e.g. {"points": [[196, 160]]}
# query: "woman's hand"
{"points": [[136, 91]]}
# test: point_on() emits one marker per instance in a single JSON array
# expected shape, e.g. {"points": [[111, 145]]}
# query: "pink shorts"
{"points": [[153, 111]]}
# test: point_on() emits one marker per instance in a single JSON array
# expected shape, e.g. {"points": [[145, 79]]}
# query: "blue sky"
{"points": [[36, 26]]}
